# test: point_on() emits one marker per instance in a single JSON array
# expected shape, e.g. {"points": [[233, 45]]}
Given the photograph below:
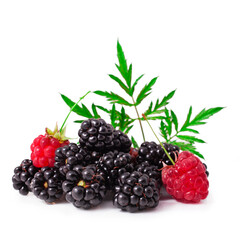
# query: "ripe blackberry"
{"points": [[207, 173], [136, 191], [121, 141], [72, 154], [96, 134], [23, 175], [47, 184], [151, 170], [113, 164], [154, 153], [84, 187]]}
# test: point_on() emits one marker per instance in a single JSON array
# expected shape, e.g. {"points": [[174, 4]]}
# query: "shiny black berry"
{"points": [[23, 176], [155, 155], [73, 154], [47, 184], [121, 141], [113, 164], [84, 186], [96, 134], [136, 191]]}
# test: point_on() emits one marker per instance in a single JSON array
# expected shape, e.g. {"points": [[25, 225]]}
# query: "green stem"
{"points": [[139, 119], [72, 110], [159, 141]]}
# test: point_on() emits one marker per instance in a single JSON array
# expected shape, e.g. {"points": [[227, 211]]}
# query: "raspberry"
{"points": [[186, 181], [44, 146]]}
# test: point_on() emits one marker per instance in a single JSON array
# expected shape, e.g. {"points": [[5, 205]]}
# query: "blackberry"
{"points": [[121, 141], [96, 134], [205, 165], [136, 191], [155, 155], [113, 164], [23, 175], [70, 155], [47, 184], [84, 187], [151, 170]]}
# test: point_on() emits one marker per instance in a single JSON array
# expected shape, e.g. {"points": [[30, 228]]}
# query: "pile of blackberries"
{"points": [[102, 161]]}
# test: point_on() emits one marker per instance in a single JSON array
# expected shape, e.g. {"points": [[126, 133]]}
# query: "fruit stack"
{"points": [[104, 160]]}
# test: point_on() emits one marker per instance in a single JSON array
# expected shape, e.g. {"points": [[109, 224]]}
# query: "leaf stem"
{"points": [[72, 110], [159, 141], [134, 103]]}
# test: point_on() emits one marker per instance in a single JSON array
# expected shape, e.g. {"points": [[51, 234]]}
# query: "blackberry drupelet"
{"points": [[155, 155], [96, 134], [173, 151], [121, 141], [136, 191], [47, 184], [70, 155], [113, 164], [151, 170], [84, 186], [207, 172], [23, 176]]}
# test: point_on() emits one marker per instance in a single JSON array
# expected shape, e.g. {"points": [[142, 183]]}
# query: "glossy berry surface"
{"points": [[47, 184], [136, 191], [121, 141], [113, 164], [68, 156], [84, 187], [186, 181], [96, 134], [155, 155], [23, 176], [43, 150]]}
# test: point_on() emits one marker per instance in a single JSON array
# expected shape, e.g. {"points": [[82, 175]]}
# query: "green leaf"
{"points": [[145, 91], [165, 100], [122, 67], [113, 116], [190, 138], [82, 111], [168, 121], [203, 115], [113, 98], [78, 121], [122, 85], [94, 109], [134, 85], [163, 130], [135, 144], [128, 129], [103, 109], [174, 120], [189, 130]]}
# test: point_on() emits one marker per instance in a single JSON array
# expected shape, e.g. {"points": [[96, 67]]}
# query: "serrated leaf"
{"points": [[113, 116], [94, 109], [86, 111], [134, 142], [203, 115], [77, 109], [190, 138], [168, 121], [128, 129], [163, 130], [145, 91], [174, 120], [189, 130], [78, 121], [131, 91], [121, 84], [122, 67], [103, 109], [113, 98], [166, 99]]}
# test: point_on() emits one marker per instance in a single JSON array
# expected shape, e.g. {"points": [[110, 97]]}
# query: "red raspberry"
{"points": [[186, 181], [44, 146]]}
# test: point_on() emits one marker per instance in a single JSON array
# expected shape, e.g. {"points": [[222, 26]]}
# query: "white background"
{"points": [[51, 47]]}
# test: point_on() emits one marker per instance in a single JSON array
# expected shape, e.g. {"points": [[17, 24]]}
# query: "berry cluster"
{"points": [[104, 160]]}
